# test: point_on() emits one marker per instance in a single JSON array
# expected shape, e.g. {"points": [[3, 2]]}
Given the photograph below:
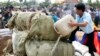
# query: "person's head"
{"points": [[80, 8]]}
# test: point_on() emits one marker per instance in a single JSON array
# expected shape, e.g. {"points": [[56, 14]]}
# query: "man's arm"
{"points": [[84, 24], [72, 24]]}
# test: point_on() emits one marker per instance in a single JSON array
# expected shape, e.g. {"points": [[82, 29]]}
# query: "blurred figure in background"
{"points": [[53, 14], [97, 18], [59, 12], [7, 14]]}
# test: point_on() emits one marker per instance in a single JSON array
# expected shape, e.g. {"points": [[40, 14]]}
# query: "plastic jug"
{"points": [[62, 27]]}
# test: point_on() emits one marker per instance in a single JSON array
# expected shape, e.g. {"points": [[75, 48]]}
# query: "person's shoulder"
{"points": [[87, 14]]}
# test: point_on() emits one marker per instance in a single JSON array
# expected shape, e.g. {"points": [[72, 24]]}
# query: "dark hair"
{"points": [[80, 6]]}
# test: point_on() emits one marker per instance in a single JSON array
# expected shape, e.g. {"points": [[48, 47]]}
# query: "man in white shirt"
{"points": [[85, 23]]}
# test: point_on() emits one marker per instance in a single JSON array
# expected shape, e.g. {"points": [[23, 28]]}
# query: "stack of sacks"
{"points": [[44, 48], [81, 50], [34, 35], [42, 32], [20, 23]]}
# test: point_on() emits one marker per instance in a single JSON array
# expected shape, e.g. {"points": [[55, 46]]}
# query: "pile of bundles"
{"points": [[34, 35], [81, 50]]}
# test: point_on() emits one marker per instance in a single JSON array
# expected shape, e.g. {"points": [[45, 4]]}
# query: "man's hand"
{"points": [[72, 24]]}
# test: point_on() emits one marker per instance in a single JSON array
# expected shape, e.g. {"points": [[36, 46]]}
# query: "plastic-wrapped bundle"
{"points": [[81, 50], [42, 27], [43, 48]]}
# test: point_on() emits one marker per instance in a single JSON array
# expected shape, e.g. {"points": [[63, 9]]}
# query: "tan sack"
{"points": [[20, 20], [18, 42], [23, 20], [42, 27], [43, 48], [37, 23]]}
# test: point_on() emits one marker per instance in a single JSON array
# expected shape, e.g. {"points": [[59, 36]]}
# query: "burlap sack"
{"points": [[42, 27], [43, 48], [62, 27], [11, 22], [37, 23], [20, 20], [18, 42], [23, 20]]}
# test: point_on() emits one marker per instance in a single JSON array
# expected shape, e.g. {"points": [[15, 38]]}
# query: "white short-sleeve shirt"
{"points": [[89, 28]]}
